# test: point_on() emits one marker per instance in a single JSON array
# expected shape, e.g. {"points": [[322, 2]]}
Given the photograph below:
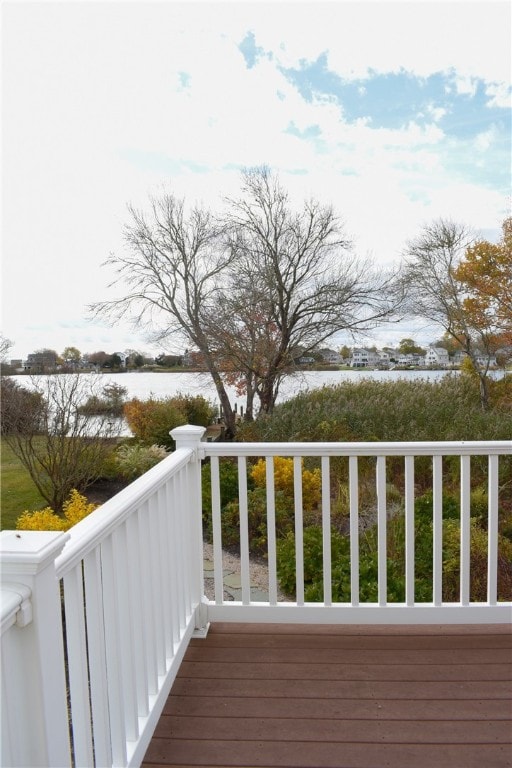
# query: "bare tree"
{"points": [[5, 347], [173, 268], [435, 293], [249, 289], [60, 448], [301, 281]]}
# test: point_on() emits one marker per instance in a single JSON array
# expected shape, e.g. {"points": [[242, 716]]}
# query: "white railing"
{"points": [[129, 583], [462, 610], [95, 622]]}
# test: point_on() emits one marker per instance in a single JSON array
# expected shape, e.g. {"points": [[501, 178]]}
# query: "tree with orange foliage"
{"points": [[464, 286], [486, 274]]}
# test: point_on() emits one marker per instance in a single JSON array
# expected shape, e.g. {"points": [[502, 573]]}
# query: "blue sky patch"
{"points": [[250, 51], [184, 78], [476, 137], [394, 100]]}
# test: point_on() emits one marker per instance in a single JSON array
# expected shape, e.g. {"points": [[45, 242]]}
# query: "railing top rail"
{"points": [[434, 448], [12, 597], [89, 532]]}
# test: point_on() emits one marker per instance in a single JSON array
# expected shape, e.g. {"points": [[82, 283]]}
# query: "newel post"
{"points": [[35, 681], [189, 437]]}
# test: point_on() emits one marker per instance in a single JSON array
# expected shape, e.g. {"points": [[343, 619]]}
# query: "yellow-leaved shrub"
{"points": [[283, 480], [75, 508]]}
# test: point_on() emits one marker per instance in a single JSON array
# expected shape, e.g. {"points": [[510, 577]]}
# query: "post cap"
{"points": [[29, 551]]}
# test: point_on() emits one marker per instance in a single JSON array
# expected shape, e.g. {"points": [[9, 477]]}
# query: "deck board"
{"points": [[350, 697]]}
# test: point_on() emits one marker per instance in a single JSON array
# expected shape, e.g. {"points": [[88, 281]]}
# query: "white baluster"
{"points": [[326, 530], [299, 530], [353, 482], [271, 531]]}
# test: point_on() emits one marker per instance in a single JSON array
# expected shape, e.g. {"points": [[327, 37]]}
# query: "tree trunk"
{"points": [[249, 401], [267, 395], [227, 410], [484, 390]]}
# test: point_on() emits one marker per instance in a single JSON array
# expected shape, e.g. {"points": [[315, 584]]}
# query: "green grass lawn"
{"points": [[18, 492]]}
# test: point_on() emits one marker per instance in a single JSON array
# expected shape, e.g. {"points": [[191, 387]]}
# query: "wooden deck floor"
{"points": [[342, 696]]}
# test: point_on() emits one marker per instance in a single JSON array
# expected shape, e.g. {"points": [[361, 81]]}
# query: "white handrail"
{"points": [[86, 535], [449, 448]]}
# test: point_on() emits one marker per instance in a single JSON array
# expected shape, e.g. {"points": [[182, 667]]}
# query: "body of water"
{"points": [[143, 385]]}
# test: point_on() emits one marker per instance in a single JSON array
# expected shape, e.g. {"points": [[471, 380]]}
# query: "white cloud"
{"points": [[420, 37], [436, 113], [501, 95], [466, 85], [485, 139], [97, 112]]}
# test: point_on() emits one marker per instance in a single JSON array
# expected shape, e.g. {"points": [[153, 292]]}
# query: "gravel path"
{"points": [[258, 572]]}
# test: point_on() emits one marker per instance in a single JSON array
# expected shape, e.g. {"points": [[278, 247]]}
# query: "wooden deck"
{"points": [[342, 696]]}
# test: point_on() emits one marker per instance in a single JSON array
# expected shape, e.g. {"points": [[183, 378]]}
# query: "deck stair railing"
{"points": [[95, 622]]}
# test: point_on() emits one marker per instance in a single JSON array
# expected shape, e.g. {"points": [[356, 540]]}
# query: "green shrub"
{"points": [[111, 403], [448, 409], [403, 410], [340, 568], [151, 420], [368, 563], [257, 520], [228, 480], [133, 460], [197, 410], [478, 563]]}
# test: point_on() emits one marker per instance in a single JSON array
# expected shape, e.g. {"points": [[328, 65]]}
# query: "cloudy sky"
{"points": [[395, 112]]}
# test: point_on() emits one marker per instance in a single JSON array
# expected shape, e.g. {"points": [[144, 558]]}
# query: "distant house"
{"points": [[330, 356], [437, 357], [410, 360], [359, 358], [482, 360], [364, 358], [384, 359], [39, 362]]}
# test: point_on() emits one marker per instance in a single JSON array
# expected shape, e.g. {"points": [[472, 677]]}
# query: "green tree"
{"points": [[169, 361], [409, 347], [72, 356]]}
